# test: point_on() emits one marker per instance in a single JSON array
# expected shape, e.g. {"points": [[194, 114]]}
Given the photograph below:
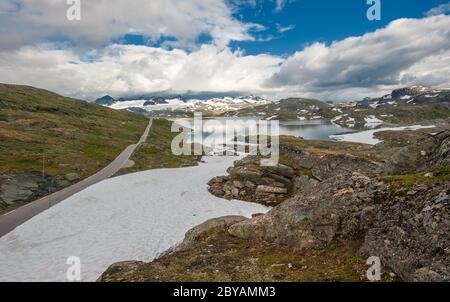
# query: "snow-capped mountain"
{"points": [[217, 105], [409, 95]]}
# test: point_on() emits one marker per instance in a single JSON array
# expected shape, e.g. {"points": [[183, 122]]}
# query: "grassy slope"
{"points": [[75, 136], [156, 151], [220, 257]]}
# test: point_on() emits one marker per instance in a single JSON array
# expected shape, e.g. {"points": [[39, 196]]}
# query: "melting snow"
{"points": [[375, 105], [367, 137], [372, 121], [131, 217]]}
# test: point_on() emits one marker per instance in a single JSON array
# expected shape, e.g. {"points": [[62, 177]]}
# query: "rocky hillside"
{"points": [[181, 107], [70, 139], [287, 109], [414, 95], [403, 106], [408, 105], [351, 201]]}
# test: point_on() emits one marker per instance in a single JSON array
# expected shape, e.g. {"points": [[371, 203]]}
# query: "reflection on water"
{"points": [[216, 132], [315, 129]]}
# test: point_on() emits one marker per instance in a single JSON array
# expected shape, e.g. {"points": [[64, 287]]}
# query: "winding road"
{"points": [[13, 219]]}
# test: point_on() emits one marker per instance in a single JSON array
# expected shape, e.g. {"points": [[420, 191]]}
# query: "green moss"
{"points": [[407, 181]]}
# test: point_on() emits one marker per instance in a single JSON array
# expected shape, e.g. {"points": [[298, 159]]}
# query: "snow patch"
{"points": [[372, 121], [131, 217], [367, 137]]}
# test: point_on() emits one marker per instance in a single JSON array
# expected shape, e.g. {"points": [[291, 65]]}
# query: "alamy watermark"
{"points": [[73, 273], [374, 272], [236, 136], [374, 11], [74, 10]]}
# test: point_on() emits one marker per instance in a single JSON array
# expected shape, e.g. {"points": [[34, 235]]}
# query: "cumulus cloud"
{"points": [[128, 69], [407, 51], [25, 22]]}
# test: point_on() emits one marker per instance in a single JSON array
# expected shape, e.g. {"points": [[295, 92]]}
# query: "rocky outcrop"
{"points": [[441, 156], [408, 229], [19, 188], [250, 181], [338, 207], [124, 269], [411, 234], [194, 234]]}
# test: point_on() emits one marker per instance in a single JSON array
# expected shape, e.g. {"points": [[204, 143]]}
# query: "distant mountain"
{"points": [[413, 95], [105, 101], [415, 104], [404, 105], [291, 108], [178, 105]]}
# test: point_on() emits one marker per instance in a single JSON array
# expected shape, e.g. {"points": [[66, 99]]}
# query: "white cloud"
{"points": [[283, 29], [441, 9], [29, 21], [279, 5], [407, 51], [127, 69]]}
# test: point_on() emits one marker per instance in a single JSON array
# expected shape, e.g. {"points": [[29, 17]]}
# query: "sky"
{"points": [[324, 49]]}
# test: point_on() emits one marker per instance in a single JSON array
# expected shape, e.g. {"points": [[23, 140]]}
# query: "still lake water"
{"points": [[313, 130], [316, 129]]}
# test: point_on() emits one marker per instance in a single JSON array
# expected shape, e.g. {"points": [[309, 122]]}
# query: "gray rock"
{"points": [[120, 267], [268, 189], [425, 274], [238, 184], [72, 177], [193, 234], [23, 187]]}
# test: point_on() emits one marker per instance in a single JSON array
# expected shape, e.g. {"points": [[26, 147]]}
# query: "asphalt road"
{"points": [[13, 219]]}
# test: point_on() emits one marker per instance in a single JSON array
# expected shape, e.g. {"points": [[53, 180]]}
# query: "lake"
{"points": [[214, 129]]}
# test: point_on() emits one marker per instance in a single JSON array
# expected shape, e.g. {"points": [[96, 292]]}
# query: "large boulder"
{"points": [[193, 234], [341, 206], [411, 234], [23, 187], [249, 181], [19, 188]]}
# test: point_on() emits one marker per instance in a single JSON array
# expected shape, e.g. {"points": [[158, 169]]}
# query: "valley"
{"points": [[343, 169]]}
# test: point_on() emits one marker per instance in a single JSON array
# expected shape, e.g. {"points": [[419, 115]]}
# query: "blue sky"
{"points": [[311, 21], [323, 21], [324, 49]]}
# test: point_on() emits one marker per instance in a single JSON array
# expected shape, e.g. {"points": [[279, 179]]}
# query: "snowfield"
{"points": [[367, 137], [131, 217], [225, 103]]}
